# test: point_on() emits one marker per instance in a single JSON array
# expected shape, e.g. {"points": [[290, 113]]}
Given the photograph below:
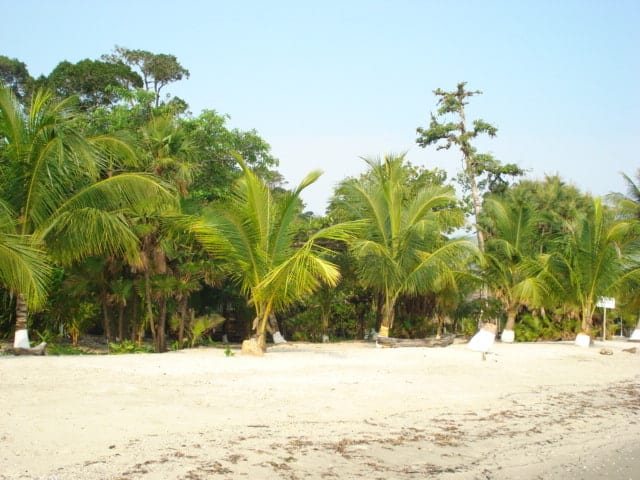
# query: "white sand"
{"points": [[346, 410]]}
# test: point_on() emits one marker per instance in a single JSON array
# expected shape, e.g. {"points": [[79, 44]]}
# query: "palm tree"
{"points": [[24, 267], [404, 250], [511, 266], [254, 235], [594, 259], [53, 180]]}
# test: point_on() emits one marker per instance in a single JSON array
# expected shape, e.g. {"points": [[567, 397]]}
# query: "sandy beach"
{"points": [[341, 410]]}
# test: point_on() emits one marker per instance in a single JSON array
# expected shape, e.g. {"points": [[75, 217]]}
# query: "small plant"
{"points": [[228, 352], [199, 326], [63, 349], [127, 346], [47, 336], [79, 319]]}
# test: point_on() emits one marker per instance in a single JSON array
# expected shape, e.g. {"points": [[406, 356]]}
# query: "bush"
{"points": [[127, 346]]}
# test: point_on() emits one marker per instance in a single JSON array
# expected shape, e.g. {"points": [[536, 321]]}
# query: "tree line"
{"points": [[124, 215]]}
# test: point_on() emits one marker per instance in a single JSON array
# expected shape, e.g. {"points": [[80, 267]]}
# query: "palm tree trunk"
{"points": [[182, 309], [508, 334], [121, 322], [134, 315], [106, 321], [388, 315], [440, 320], [161, 345], [149, 304], [21, 336]]}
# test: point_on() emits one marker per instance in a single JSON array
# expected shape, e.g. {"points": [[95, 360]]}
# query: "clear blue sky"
{"points": [[328, 82]]}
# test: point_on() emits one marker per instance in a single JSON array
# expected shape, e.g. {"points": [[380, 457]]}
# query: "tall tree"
{"points": [[157, 69], [24, 267], [254, 234], [95, 83], [594, 258], [403, 250], [52, 178], [629, 203], [15, 76], [512, 270], [449, 127]]}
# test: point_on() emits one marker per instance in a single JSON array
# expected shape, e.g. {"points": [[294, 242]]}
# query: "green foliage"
{"points": [[94, 82], [79, 318], [449, 128], [228, 352], [127, 346], [403, 249], [15, 76], [200, 326], [254, 233], [531, 328], [156, 69], [64, 349]]}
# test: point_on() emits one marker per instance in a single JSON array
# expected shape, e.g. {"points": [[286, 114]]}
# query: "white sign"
{"points": [[606, 302]]}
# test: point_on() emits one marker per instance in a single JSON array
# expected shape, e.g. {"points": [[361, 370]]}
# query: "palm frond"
{"points": [[24, 268]]}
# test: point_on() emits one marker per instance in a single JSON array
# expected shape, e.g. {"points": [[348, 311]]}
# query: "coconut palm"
{"points": [[404, 250], [24, 268], [254, 235], [512, 271], [596, 258], [53, 180], [629, 204]]}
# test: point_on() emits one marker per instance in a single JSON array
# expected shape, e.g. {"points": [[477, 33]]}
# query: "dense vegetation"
{"points": [[124, 215]]}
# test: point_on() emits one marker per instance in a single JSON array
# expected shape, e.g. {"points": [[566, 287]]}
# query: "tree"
{"points": [[24, 267], [512, 270], [595, 258], [254, 235], [52, 179], [456, 132], [95, 83], [629, 204], [404, 249], [157, 69], [15, 76]]}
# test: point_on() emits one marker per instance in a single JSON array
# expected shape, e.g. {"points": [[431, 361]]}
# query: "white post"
{"points": [[604, 324]]}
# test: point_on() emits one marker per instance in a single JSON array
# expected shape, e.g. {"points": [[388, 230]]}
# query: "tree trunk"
{"points": [[511, 319], [37, 350], [508, 334], [106, 321], [133, 324], [440, 320], [149, 304], [379, 306], [121, 322], [161, 344], [586, 324], [182, 314], [388, 314], [21, 336], [477, 205], [416, 342]]}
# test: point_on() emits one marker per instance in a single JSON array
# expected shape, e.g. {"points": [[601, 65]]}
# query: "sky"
{"points": [[326, 83]]}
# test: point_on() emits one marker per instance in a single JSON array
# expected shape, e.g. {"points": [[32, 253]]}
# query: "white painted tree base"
{"points": [[325, 338], [278, 338], [583, 340], [21, 339], [507, 336], [635, 336], [482, 341]]}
